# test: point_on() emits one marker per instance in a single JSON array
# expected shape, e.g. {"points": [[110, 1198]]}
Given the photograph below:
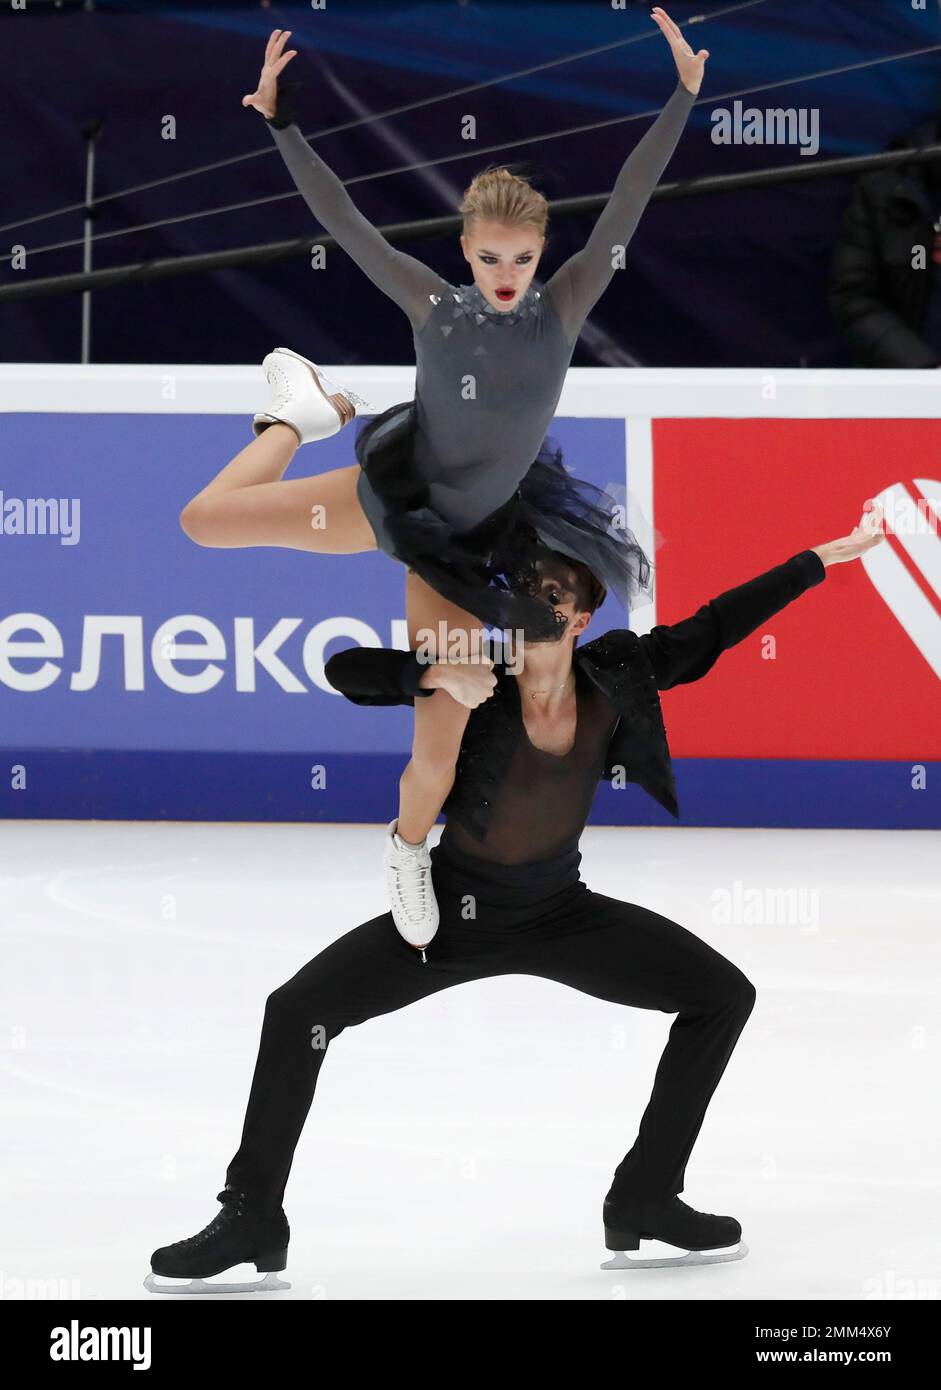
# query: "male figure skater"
{"points": [[535, 747]]}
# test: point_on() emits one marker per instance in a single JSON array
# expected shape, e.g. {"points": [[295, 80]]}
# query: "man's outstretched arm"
{"points": [[685, 651]]}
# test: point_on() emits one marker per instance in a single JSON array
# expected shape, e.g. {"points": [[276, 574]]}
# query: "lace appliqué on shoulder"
{"points": [[641, 735]]}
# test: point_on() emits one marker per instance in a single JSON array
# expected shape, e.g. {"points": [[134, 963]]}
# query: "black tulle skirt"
{"points": [[488, 570]]}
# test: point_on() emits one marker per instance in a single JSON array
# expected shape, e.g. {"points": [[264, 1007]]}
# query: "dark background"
{"points": [[722, 279]]}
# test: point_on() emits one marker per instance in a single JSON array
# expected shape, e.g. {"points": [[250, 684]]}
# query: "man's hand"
{"points": [[689, 65], [868, 533], [265, 97], [467, 682]]}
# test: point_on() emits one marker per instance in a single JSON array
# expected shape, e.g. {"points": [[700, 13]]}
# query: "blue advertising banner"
{"points": [[145, 677], [98, 579]]}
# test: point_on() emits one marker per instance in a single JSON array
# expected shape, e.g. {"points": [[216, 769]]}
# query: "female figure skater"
{"points": [[459, 483]]}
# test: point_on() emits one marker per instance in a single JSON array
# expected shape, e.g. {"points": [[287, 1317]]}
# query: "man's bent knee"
{"points": [[741, 993], [316, 1015]]}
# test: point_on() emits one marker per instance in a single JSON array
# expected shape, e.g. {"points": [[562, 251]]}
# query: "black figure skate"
{"points": [[697, 1237], [235, 1236]]}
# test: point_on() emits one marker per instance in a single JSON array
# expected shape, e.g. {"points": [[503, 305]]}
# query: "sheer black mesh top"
{"points": [[544, 799]]}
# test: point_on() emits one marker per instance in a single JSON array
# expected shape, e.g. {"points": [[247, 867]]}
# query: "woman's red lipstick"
{"points": [[505, 293]]}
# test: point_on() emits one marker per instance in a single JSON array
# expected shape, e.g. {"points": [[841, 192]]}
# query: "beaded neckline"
{"points": [[474, 304]]}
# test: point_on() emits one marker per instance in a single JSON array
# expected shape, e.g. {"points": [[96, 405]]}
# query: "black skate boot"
{"points": [[238, 1234], [699, 1237]]}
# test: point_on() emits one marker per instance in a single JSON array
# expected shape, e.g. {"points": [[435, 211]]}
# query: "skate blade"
{"points": [[270, 1284], [328, 387], [627, 1259], [332, 388]]}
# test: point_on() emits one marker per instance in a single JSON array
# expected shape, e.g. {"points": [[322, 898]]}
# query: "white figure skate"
{"points": [[411, 891], [314, 406]]}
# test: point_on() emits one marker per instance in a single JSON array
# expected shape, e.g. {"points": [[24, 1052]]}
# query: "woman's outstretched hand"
{"points": [[689, 65], [265, 97], [868, 533]]}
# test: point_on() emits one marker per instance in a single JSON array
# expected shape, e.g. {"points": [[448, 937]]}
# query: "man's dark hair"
{"points": [[589, 591]]}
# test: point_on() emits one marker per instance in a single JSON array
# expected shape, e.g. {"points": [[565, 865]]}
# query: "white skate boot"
{"points": [[305, 399], [411, 891]]}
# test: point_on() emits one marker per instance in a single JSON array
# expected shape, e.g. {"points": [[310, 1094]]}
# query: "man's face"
{"points": [[556, 587]]}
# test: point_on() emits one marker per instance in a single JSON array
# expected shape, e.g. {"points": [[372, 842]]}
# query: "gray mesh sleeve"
{"points": [[576, 286], [407, 281]]}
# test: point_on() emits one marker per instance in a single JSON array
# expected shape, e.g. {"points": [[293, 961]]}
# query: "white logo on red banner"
{"points": [[915, 527]]}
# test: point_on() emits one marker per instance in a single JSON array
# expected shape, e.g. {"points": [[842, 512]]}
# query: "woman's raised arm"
{"points": [[578, 284], [407, 281]]}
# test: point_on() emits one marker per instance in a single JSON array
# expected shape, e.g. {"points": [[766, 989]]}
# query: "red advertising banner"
{"points": [[851, 669]]}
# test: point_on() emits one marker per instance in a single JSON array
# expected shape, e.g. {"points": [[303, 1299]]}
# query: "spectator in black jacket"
{"points": [[883, 294]]}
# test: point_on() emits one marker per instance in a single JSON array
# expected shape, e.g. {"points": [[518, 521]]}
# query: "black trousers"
{"points": [[532, 919]]}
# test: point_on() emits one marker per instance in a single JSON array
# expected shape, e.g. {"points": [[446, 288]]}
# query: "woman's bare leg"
{"points": [[247, 503], [439, 722]]}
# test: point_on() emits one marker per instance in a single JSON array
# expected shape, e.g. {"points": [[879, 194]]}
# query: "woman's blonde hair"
{"points": [[497, 195]]}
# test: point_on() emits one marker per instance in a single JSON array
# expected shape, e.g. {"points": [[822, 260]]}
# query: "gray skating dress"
{"points": [[461, 483]]}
